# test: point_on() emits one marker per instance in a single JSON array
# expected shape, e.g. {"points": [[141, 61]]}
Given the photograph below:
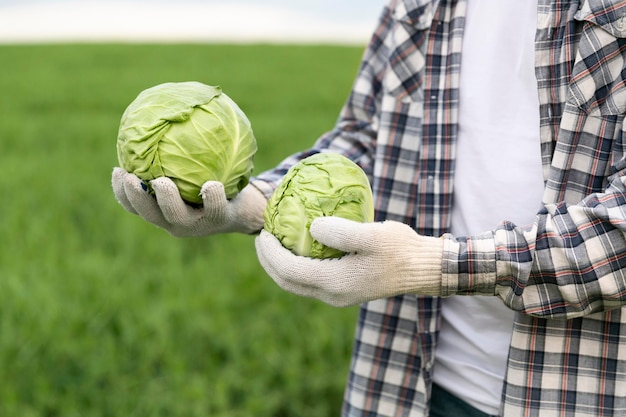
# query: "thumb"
{"points": [[343, 234], [214, 199]]}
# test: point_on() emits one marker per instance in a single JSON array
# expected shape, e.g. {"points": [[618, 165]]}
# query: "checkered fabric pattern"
{"points": [[565, 275]]}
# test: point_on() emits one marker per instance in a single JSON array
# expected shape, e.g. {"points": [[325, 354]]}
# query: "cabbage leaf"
{"points": [[190, 132], [323, 184]]}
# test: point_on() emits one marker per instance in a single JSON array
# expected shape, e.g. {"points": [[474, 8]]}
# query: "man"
{"points": [[500, 121]]}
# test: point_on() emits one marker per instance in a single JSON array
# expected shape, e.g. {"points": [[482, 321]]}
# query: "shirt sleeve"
{"points": [[571, 262], [354, 133]]}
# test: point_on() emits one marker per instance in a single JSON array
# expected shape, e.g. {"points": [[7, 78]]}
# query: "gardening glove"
{"points": [[383, 260], [243, 214]]}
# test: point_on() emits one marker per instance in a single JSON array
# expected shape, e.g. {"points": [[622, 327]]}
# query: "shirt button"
{"points": [[621, 23]]}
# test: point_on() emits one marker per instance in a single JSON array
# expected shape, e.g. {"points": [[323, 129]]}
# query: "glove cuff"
{"points": [[424, 276]]}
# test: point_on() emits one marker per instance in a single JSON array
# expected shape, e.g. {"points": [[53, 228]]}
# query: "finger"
{"points": [[343, 234], [171, 204], [268, 247], [286, 268], [118, 177], [214, 199], [142, 202], [306, 277]]}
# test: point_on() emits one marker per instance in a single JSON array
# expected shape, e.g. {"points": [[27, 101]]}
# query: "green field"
{"points": [[103, 314]]}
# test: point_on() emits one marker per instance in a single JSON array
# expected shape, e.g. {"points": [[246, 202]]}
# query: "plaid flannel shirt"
{"points": [[565, 276]]}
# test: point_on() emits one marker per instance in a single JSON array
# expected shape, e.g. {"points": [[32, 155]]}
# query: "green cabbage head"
{"points": [[189, 132], [324, 184]]}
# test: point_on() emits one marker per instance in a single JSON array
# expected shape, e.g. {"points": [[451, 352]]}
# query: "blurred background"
{"points": [[349, 21], [103, 314]]}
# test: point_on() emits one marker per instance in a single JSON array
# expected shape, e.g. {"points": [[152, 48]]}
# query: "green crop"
{"points": [[189, 132], [324, 184]]}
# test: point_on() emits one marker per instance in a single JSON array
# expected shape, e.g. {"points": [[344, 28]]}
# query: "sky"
{"points": [[331, 21]]}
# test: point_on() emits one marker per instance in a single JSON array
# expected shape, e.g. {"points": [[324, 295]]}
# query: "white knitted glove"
{"points": [[243, 214], [383, 260]]}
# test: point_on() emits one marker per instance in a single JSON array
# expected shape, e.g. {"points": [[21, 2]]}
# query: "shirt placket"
{"points": [[441, 104]]}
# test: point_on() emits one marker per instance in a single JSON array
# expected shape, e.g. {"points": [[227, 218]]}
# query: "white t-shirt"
{"points": [[498, 177]]}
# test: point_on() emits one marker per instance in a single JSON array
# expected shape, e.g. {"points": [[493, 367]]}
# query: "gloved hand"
{"points": [[383, 260], [243, 214]]}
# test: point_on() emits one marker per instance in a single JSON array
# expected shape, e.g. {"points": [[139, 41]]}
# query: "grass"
{"points": [[102, 314]]}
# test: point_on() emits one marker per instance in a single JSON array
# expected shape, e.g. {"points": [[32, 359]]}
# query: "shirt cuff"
{"points": [[265, 187], [469, 265]]}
